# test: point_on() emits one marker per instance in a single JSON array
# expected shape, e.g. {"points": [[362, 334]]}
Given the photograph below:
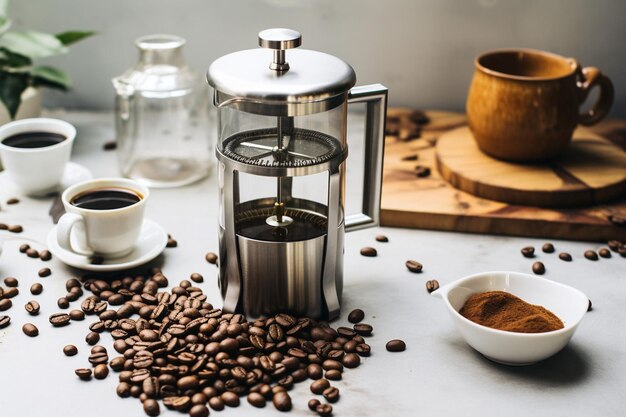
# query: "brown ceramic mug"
{"points": [[523, 105]]}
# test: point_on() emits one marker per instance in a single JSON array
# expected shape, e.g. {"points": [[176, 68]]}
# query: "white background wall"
{"points": [[422, 50]]}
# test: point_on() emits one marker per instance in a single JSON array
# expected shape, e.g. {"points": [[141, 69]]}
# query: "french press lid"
{"points": [[275, 82]]}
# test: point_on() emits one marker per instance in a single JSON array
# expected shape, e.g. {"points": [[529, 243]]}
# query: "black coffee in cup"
{"points": [[29, 140], [106, 199]]}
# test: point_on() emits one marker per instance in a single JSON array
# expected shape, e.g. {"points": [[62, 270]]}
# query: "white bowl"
{"points": [[511, 348]]}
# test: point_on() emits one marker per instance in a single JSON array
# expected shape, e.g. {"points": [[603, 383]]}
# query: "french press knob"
{"points": [[279, 40]]}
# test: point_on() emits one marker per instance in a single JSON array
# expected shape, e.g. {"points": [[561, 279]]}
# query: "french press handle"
{"points": [[375, 98]]}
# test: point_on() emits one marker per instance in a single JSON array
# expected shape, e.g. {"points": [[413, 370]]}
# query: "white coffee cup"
{"points": [[36, 171], [109, 233]]}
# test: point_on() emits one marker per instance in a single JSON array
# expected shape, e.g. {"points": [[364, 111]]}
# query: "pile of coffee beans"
{"points": [[176, 347]]}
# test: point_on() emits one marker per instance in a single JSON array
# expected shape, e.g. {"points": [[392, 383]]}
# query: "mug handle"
{"points": [[588, 78], [64, 231]]}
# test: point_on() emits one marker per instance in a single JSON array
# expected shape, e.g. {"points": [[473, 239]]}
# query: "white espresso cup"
{"points": [[106, 232], [36, 170]]}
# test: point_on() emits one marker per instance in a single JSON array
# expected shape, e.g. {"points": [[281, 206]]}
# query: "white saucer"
{"points": [[73, 174], [151, 242]]}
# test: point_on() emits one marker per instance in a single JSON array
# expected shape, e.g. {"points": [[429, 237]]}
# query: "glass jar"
{"points": [[162, 117]]}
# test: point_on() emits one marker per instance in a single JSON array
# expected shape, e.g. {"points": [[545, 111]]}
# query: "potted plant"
{"points": [[19, 77]]}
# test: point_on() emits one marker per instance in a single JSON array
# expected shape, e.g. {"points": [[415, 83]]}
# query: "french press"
{"points": [[281, 150]]}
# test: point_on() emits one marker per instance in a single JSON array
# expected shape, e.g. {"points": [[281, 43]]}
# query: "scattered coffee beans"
{"points": [[70, 350], [11, 201], [331, 394], [324, 410], [313, 403], [282, 401], [211, 258], [368, 251], [36, 289], [422, 171], [110, 145], [16, 228], [357, 315], [30, 330], [77, 315], [4, 321], [363, 329], [604, 252], [432, 285], [615, 245], [5, 304], [92, 338], [195, 277], [412, 157], [45, 255], [201, 410], [44, 272], [591, 255], [11, 282], [395, 345], [10, 292], [539, 268], [318, 387], [565, 257], [32, 307], [528, 251], [101, 371], [589, 307], [382, 238], [171, 243], [32, 253], [413, 266], [256, 400], [63, 303], [548, 248], [24, 247], [59, 319]]}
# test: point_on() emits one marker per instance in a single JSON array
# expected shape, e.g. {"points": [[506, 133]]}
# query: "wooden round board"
{"points": [[592, 171]]}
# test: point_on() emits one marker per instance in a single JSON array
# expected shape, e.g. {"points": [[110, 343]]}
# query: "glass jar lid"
{"points": [[275, 82]]}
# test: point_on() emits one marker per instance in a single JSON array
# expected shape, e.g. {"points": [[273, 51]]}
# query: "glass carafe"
{"points": [[162, 117]]}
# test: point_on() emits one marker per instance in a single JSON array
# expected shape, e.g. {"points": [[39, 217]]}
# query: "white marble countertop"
{"points": [[438, 374]]}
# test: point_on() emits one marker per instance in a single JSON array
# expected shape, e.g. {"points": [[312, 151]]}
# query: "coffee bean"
{"points": [[195, 277], [101, 371], [151, 407], [11, 201], [32, 307], [24, 247], [395, 345], [4, 321], [333, 374], [36, 288], [412, 157], [256, 400], [318, 386], [363, 329], [70, 350], [77, 315], [539, 268], [45, 255], [16, 228], [356, 316], [32, 253], [331, 394], [83, 373], [230, 399], [528, 252], [382, 238], [604, 252], [44, 272], [548, 248], [109, 145], [211, 258], [199, 410], [282, 401], [351, 360], [368, 251], [591, 255], [59, 319], [11, 292], [413, 266], [5, 304], [432, 285], [422, 171], [313, 403], [172, 243], [363, 349], [615, 245], [30, 329], [11, 282], [98, 358], [565, 257], [123, 389], [216, 403], [63, 303], [590, 306], [92, 338], [622, 251], [4, 226]]}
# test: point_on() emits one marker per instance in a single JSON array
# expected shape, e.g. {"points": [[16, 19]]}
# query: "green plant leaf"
{"points": [[50, 77], [32, 44], [73, 36], [4, 6], [5, 24], [12, 85], [13, 60]]}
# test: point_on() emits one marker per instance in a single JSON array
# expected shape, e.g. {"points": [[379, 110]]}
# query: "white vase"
{"points": [[29, 107]]}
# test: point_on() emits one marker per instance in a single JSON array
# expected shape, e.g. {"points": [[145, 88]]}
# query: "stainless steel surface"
{"points": [[332, 280], [315, 82], [375, 97], [279, 39]]}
